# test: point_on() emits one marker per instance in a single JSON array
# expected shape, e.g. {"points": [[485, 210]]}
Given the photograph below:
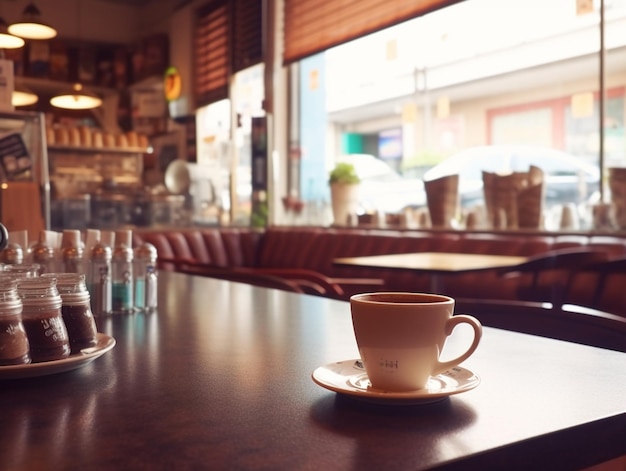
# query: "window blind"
{"points": [[212, 52], [312, 26], [247, 33]]}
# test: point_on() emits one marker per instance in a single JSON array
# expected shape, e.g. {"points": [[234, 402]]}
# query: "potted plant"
{"points": [[344, 192]]}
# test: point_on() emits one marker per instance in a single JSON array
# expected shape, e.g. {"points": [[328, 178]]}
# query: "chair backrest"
{"points": [[604, 269], [552, 273], [569, 322]]}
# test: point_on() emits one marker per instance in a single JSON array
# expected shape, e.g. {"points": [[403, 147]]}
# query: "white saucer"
{"points": [[78, 360], [349, 377]]}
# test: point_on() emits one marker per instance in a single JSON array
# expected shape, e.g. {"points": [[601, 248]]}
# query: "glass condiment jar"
{"points": [[76, 310], [145, 276], [42, 319], [14, 346]]}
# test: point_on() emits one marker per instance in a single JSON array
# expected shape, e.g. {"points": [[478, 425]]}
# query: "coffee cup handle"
{"points": [[450, 325]]}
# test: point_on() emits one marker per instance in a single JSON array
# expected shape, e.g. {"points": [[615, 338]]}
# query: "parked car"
{"points": [[568, 179], [382, 188]]}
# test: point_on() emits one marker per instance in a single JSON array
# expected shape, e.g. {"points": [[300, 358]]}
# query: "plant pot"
{"points": [[345, 199]]}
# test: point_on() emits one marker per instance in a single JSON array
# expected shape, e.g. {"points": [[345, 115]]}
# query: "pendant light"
{"points": [[78, 98], [8, 41], [31, 26], [23, 97]]}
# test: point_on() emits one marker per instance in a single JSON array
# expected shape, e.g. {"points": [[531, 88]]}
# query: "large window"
{"points": [[518, 76]]}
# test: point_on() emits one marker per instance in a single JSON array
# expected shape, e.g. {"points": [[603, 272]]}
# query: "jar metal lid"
{"points": [[146, 251], [71, 287], [38, 292]]}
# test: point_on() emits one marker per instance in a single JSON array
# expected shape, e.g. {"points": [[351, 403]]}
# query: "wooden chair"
{"points": [[551, 275], [568, 322]]}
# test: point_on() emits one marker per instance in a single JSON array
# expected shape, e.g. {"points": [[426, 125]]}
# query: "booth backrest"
{"points": [[315, 248]]}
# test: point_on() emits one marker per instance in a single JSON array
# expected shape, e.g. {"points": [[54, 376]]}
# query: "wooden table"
{"points": [[220, 378], [433, 263]]}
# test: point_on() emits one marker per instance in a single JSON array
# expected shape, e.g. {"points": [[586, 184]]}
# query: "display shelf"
{"points": [[100, 150]]}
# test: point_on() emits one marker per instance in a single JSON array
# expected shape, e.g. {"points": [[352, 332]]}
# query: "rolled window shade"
{"points": [[312, 26], [247, 34], [228, 37], [212, 53]]}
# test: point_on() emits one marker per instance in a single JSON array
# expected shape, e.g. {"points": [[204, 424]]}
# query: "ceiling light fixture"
{"points": [[23, 98], [8, 41], [78, 98], [31, 26]]}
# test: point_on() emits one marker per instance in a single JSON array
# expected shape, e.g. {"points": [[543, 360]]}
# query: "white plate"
{"points": [[349, 377], [77, 360]]}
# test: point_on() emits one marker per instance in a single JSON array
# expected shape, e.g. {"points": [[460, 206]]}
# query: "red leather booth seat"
{"points": [[314, 249]]}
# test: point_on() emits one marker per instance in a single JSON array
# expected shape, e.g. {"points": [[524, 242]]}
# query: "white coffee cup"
{"points": [[401, 335]]}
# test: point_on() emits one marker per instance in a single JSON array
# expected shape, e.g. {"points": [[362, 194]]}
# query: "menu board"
{"points": [[14, 157]]}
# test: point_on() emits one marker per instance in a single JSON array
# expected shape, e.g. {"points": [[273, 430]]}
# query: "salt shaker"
{"points": [[72, 252], [122, 273], [12, 254], [98, 279], [43, 255], [42, 319], [145, 275], [14, 346]]}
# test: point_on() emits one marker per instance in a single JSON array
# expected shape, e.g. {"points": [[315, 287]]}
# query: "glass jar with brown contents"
{"points": [[42, 319], [14, 347], [76, 310]]}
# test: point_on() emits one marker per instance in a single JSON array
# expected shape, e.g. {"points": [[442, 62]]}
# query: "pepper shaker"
{"points": [[122, 273], [99, 279]]}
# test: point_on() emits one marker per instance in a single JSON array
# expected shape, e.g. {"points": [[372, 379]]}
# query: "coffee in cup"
{"points": [[400, 337]]}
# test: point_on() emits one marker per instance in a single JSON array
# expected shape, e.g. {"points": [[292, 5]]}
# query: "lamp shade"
{"points": [[31, 26], [23, 98], [8, 41], [76, 99]]}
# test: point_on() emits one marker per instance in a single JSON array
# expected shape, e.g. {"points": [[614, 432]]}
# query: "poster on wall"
{"points": [[15, 160]]}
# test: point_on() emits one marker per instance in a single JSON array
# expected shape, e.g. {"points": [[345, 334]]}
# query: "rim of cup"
{"points": [[398, 297]]}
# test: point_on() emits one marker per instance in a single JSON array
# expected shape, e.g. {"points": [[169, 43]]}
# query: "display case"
{"points": [[94, 186]]}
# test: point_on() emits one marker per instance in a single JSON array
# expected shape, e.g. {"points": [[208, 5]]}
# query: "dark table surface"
{"points": [[220, 378]]}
